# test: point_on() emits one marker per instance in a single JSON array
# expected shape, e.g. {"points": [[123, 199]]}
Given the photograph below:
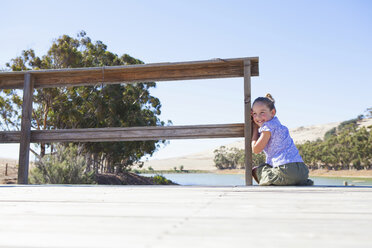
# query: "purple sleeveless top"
{"points": [[280, 149]]}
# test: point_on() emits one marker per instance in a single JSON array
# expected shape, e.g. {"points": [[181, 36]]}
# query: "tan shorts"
{"points": [[287, 174]]}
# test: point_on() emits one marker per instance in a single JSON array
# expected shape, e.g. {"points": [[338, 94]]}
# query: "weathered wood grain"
{"points": [[25, 134], [247, 122], [10, 136], [185, 216], [129, 133], [217, 68]]}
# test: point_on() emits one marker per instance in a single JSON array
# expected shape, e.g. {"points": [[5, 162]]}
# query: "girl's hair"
{"points": [[268, 100]]}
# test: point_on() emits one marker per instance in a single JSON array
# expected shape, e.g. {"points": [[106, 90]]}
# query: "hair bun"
{"points": [[270, 97]]}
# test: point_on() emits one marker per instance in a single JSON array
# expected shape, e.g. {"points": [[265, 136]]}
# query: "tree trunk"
{"points": [[95, 163], [42, 149], [88, 158]]}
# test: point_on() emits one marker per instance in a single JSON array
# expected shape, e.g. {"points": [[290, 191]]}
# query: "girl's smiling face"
{"points": [[261, 113]]}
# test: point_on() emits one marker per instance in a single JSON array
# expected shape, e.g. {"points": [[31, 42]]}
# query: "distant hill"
{"points": [[204, 160]]}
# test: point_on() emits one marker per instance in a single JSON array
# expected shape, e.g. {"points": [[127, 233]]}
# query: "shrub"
{"points": [[159, 179], [66, 166]]}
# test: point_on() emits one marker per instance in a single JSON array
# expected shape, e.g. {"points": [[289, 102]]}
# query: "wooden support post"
{"points": [[24, 147], [247, 122]]}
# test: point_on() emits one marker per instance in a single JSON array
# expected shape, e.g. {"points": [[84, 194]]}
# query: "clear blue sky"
{"points": [[315, 56]]}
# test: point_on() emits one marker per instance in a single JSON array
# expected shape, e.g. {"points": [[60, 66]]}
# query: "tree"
{"points": [[346, 147], [119, 105], [234, 158], [220, 158], [368, 112]]}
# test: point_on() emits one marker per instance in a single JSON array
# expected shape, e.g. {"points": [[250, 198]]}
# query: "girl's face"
{"points": [[261, 113]]}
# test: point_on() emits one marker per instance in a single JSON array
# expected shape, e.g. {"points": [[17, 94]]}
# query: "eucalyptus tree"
{"points": [[118, 105]]}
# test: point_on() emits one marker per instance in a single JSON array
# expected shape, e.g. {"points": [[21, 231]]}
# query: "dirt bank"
{"points": [[129, 178]]}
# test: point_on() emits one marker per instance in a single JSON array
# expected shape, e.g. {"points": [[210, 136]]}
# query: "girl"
{"points": [[284, 165]]}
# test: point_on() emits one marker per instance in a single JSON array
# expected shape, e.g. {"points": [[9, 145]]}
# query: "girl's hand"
{"points": [[254, 130], [254, 126]]}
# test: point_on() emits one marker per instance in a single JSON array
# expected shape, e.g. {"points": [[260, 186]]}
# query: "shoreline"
{"points": [[341, 173], [318, 173], [313, 173]]}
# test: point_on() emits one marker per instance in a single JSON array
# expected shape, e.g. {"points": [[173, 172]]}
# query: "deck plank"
{"points": [[180, 216]]}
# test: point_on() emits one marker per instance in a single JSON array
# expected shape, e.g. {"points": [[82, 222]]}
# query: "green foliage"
{"points": [[347, 124], [234, 158], [330, 133], [119, 105], [368, 113], [161, 180], [180, 170], [258, 159], [347, 147], [66, 166]]}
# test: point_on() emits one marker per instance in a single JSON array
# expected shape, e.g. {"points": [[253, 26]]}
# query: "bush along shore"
{"points": [[347, 147]]}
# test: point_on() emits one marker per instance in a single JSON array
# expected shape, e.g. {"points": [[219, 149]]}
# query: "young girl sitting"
{"points": [[284, 165]]}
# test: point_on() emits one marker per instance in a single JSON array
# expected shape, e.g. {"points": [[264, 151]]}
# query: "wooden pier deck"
{"points": [[180, 216]]}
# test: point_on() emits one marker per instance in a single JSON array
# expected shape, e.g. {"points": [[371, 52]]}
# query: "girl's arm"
{"points": [[259, 141]]}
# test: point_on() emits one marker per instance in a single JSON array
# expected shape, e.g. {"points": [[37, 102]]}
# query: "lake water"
{"points": [[211, 179]]}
